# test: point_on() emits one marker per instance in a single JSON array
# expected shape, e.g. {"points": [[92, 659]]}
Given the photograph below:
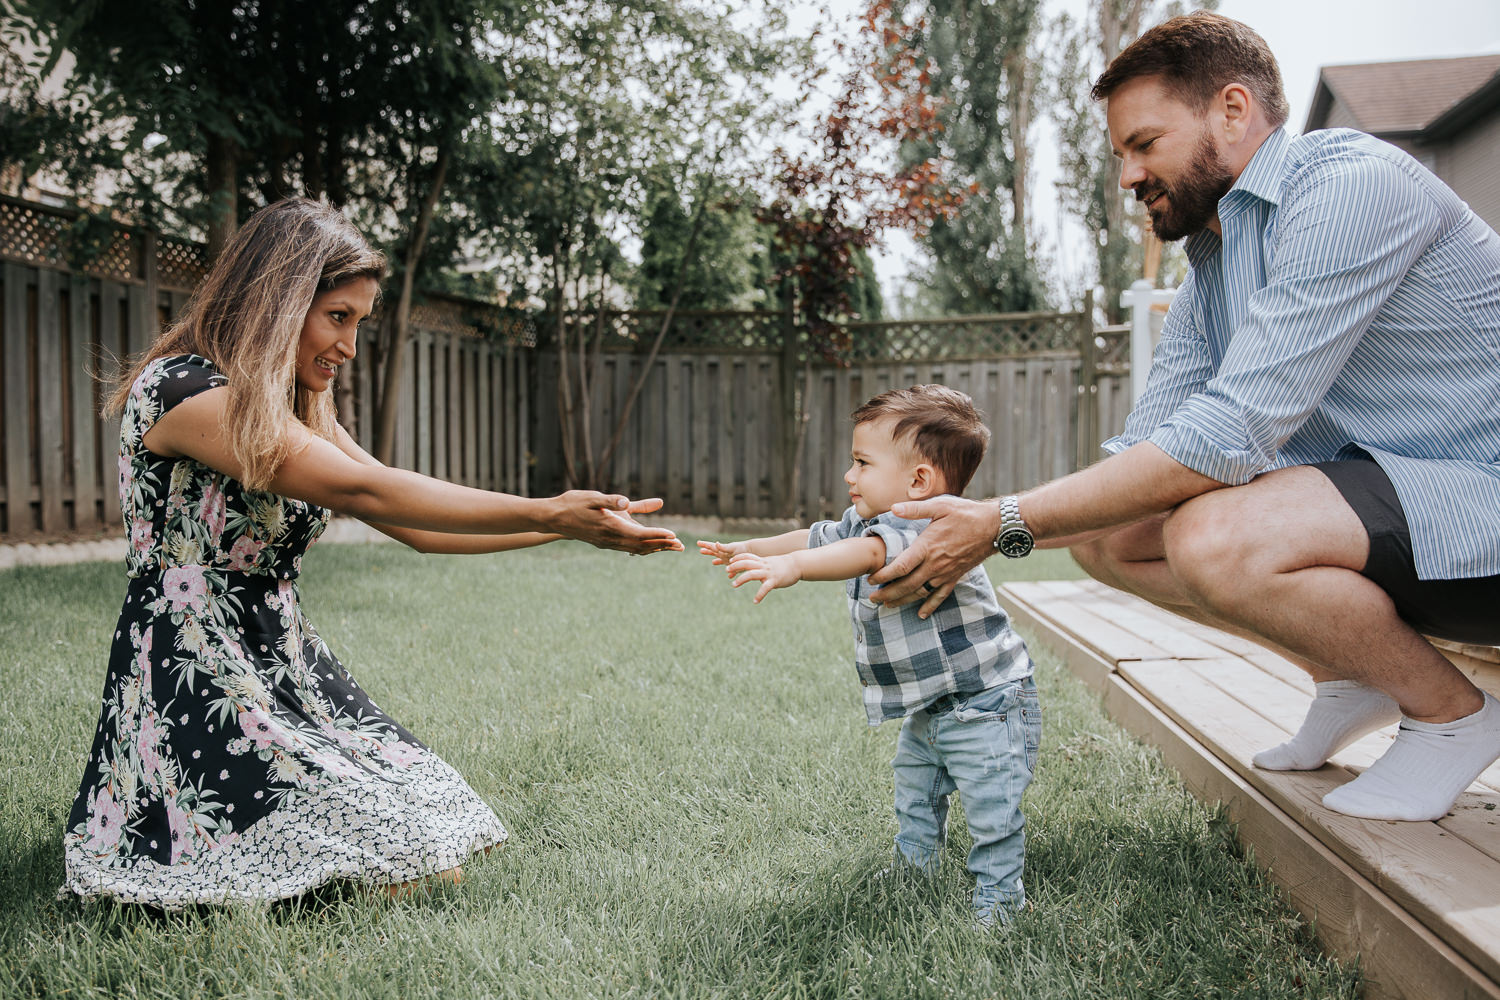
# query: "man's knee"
{"points": [[1209, 548]]}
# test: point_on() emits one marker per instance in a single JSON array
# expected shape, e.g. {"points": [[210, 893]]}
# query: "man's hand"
{"points": [[721, 552], [773, 572], [960, 537], [605, 521]]}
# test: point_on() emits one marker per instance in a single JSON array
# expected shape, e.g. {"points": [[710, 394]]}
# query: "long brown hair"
{"points": [[246, 317]]}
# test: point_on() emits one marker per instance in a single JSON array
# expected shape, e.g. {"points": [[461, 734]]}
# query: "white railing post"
{"points": [[1139, 298]]}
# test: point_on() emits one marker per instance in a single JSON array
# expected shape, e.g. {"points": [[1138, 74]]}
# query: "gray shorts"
{"points": [[1458, 610]]}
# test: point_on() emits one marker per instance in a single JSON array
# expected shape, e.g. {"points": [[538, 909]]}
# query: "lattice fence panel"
{"points": [[180, 264], [736, 330], [963, 337], [466, 318], [32, 236], [1113, 344], [60, 239]]}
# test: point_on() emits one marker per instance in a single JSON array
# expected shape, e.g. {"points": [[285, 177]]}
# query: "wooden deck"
{"points": [[1419, 903]]}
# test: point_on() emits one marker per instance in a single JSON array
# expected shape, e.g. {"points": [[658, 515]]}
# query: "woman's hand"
{"points": [[604, 520], [960, 537]]}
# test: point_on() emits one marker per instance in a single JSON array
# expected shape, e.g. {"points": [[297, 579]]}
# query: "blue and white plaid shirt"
{"points": [[1354, 300], [906, 663]]}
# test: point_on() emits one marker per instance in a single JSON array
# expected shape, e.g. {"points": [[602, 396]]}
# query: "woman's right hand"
{"points": [[604, 520]]}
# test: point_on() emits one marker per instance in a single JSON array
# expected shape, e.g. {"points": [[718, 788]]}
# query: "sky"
{"points": [[1304, 35]]}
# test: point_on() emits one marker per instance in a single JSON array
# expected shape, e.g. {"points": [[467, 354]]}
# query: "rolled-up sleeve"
{"points": [[822, 533], [1349, 230]]}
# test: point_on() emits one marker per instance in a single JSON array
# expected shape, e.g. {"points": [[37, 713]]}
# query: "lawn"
{"points": [[696, 808]]}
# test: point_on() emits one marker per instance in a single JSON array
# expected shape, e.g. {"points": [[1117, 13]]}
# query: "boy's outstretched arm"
{"points": [[840, 560], [774, 545]]}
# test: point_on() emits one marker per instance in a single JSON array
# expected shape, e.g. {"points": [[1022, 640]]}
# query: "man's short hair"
{"points": [[942, 424], [1200, 54]]}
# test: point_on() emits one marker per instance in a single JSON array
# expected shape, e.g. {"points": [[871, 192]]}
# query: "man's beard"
{"points": [[1194, 199]]}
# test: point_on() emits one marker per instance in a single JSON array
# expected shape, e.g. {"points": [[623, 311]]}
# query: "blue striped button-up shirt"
{"points": [[1353, 301]]}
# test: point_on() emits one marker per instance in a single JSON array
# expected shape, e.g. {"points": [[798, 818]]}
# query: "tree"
{"points": [[177, 83], [1089, 188], [828, 205], [728, 268], [831, 202], [220, 106], [625, 100], [985, 66]]}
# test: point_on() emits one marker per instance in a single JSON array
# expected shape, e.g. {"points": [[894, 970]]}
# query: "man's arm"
{"points": [[1137, 483], [840, 560], [1350, 228]]}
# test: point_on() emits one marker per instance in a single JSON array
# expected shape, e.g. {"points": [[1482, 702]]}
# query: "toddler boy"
{"points": [[961, 679]]}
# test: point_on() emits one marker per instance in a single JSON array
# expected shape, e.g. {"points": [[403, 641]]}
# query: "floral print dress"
{"points": [[235, 759]]}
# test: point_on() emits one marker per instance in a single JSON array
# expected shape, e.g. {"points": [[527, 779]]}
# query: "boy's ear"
{"points": [[925, 482]]}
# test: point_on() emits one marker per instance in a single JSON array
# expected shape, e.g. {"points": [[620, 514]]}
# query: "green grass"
{"points": [[696, 808]]}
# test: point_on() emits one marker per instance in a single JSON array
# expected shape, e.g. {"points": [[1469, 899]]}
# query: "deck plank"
{"points": [[1225, 699], [1400, 959]]}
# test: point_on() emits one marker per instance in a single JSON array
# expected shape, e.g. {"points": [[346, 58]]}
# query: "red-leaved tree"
{"points": [[839, 195], [843, 192]]}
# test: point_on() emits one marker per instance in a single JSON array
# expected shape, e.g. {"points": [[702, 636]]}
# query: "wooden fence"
{"points": [[478, 405], [704, 434]]}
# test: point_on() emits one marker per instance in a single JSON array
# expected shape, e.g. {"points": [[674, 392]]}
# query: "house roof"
{"points": [[1410, 97]]}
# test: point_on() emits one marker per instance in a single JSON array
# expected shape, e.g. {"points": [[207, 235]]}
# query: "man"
{"points": [[1315, 462]]}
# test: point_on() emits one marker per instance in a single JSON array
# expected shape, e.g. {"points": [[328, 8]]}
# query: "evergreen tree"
{"points": [[984, 69]]}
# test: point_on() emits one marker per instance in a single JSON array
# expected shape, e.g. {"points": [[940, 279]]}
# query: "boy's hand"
{"points": [[721, 552], [773, 572]]}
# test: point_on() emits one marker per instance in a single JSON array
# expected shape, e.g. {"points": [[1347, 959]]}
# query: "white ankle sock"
{"points": [[1341, 712], [1425, 770]]}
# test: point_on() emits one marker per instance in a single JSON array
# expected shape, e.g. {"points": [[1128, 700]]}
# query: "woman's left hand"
{"points": [[605, 521]]}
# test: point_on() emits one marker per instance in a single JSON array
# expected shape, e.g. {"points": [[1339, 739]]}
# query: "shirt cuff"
{"points": [[1114, 445], [1231, 462]]}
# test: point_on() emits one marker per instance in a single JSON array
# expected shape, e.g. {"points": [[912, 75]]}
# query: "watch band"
{"points": [[1014, 539]]}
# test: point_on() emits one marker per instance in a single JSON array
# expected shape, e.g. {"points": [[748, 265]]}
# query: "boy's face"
{"points": [[885, 472]]}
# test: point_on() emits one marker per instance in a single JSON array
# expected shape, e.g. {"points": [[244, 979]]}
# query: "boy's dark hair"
{"points": [[944, 427], [1199, 54]]}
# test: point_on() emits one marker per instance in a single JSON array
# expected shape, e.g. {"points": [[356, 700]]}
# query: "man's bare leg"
{"points": [[1342, 711], [1134, 559], [1280, 557]]}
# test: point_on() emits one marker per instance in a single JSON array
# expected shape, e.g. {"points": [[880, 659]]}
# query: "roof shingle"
{"points": [[1407, 96]]}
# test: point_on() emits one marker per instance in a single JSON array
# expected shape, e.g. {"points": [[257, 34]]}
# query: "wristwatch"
{"points": [[1013, 540]]}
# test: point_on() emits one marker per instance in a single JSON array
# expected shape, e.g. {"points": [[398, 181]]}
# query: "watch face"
{"points": [[1015, 543]]}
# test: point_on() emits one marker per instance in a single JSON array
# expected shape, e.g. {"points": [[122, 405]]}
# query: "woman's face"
{"points": [[330, 330]]}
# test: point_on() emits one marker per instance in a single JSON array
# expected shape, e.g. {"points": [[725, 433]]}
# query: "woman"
{"points": [[235, 759]]}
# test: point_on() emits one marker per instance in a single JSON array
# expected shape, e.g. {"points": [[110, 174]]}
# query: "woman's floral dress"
{"points": [[235, 759]]}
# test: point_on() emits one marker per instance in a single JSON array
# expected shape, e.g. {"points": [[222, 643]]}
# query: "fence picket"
{"points": [[82, 427], [49, 401], [17, 407]]}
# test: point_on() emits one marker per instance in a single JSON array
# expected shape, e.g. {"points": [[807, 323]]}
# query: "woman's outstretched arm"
{"points": [[320, 472]]}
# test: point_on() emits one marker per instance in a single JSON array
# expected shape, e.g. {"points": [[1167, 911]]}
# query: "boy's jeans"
{"points": [[984, 747]]}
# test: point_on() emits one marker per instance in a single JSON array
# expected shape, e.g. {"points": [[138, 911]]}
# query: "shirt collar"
{"points": [[1261, 179], [1262, 176]]}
